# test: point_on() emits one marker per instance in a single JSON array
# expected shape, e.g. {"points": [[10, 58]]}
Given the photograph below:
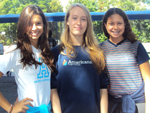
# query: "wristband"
{"points": [[10, 109]]}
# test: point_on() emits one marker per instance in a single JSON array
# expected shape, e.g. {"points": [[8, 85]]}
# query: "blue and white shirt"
{"points": [[122, 62], [78, 83], [31, 82]]}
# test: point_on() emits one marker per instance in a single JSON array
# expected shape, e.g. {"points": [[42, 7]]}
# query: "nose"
{"points": [[34, 27], [79, 21], [115, 26]]}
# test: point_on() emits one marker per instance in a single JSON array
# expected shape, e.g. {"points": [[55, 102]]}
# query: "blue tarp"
{"points": [[59, 16]]}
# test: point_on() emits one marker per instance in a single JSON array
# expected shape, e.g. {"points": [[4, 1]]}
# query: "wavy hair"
{"points": [[23, 42], [90, 44], [128, 33]]}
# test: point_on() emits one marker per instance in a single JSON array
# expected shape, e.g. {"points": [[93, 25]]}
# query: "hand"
{"points": [[21, 106]]}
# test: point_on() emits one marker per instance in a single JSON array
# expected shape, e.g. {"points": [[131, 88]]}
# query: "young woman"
{"points": [[32, 62], [82, 87], [127, 63]]}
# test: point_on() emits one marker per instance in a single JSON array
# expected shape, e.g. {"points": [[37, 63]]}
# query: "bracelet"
{"points": [[10, 109]]}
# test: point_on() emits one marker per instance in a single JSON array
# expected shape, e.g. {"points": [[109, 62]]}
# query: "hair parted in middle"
{"points": [[90, 42], [128, 33], [23, 41]]}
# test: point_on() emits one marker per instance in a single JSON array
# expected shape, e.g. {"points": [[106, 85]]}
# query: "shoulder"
{"points": [[103, 43], [137, 42], [135, 45], [10, 48], [56, 49], [56, 52]]}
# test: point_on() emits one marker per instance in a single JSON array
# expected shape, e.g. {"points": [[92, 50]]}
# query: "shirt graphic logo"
{"points": [[43, 74], [64, 63], [76, 63]]}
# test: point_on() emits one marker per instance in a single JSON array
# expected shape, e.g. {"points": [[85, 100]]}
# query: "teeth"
{"points": [[116, 32], [34, 33]]}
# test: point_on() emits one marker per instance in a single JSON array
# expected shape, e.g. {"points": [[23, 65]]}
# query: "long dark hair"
{"points": [[23, 42], [128, 33]]}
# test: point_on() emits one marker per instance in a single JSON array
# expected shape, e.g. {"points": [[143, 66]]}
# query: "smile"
{"points": [[78, 28], [34, 33], [115, 31]]}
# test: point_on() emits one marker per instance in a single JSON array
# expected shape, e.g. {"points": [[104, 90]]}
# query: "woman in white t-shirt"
{"points": [[32, 62]]}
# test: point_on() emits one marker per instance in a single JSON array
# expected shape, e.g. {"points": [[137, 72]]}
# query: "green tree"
{"points": [[140, 27], [16, 6]]}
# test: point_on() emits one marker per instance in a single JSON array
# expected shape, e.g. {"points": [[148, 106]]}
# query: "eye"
{"points": [[74, 18], [119, 23], [83, 19], [111, 23], [39, 23]]}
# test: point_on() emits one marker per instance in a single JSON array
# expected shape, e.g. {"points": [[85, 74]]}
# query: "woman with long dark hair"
{"points": [[32, 62], [127, 64]]}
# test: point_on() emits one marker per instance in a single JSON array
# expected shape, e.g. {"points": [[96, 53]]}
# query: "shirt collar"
{"points": [[118, 43]]}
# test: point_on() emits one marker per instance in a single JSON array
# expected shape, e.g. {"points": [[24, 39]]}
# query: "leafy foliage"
{"points": [[140, 27], [15, 7]]}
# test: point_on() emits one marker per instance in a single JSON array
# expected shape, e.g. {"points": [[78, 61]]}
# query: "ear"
{"points": [[67, 22]]}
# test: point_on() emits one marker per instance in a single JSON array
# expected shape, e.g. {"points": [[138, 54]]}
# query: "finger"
{"points": [[26, 99], [28, 103], [26, 107], [23, 111]]}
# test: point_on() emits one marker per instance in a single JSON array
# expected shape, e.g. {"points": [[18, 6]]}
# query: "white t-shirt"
{"points": [[32, 82]]}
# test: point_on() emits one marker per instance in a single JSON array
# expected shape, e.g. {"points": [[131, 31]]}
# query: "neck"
{"points": [[77, 40], [116, 41], [34, 44]]}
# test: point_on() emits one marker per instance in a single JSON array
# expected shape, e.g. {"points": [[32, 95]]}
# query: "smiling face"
{"points": [[35, 29], [77, 22], [115, 27]]}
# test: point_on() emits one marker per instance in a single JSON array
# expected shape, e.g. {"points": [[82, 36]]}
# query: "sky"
{"points": [[64, 3]]}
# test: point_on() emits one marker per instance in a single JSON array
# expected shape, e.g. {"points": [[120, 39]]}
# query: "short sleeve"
{"points": [[56, 52], [142, 55], [53, 81], [9, 60], [104, 80]]}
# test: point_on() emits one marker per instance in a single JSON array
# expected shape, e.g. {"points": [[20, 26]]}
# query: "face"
{"points": [[115, 27], [77, 22], [35, 29]]}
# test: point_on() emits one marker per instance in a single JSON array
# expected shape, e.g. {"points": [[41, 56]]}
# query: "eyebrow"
{"points": [[77, 15]]}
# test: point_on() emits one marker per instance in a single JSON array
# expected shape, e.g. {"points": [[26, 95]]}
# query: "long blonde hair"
{"points": [[89, 41]]}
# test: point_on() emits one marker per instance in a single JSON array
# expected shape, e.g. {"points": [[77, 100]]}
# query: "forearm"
{"points": [[147, 96], [4, 103], [103, 101], [145, 71], [55, 101]]}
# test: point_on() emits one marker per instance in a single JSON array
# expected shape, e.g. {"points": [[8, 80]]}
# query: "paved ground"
{"points": [[9, 89]]}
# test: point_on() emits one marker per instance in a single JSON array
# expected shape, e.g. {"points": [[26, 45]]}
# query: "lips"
{"points": [[115, 31], [78, 28], [34, 33]]}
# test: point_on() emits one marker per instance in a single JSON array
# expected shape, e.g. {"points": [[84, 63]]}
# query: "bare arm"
{"points": [[19, 107], [145, 71], [55, 101], [103, 101]]}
